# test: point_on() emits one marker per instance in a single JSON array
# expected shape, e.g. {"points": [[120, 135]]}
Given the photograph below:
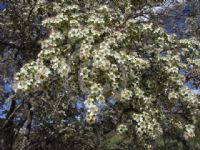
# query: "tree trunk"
{"points": [[27, 125]]}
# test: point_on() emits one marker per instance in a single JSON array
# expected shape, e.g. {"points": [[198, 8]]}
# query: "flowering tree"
{"points": [[127, 71]]}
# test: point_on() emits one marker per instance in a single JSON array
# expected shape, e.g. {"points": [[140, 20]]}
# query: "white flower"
{"points": [[126, 95], [189, 131]]}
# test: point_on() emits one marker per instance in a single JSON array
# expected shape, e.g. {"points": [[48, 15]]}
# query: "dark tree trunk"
{"points": [[27, 125]]}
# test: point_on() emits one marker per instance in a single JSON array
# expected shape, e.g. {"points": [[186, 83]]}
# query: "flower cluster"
{"points": [[147, 127], [126, 95], [75, 34], [91, 113], [31, 76], [47, 54], [122, 129], [85, 51], [189, 131], [55, 20], [96, 89], [60, 66]]}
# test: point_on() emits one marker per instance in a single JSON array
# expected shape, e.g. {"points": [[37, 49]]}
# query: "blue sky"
{"points": [[2, 6]]}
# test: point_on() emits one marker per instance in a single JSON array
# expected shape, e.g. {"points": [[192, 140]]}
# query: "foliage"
{"points": [[125, 74]]}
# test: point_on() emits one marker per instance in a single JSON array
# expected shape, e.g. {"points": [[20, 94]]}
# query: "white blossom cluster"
{"points": [[31, 76], [55, 20], [189, 131], [91, 113], [122, 128], [147, 127], [60, 66], [126, 95], [190, 42], [95, 94], [47, 54], [189, 99]]}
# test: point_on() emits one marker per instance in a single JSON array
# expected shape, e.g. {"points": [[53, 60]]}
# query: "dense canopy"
{"points": [[105, 72]]}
